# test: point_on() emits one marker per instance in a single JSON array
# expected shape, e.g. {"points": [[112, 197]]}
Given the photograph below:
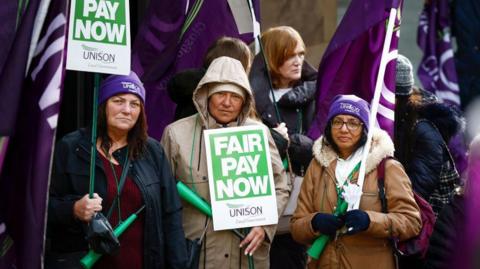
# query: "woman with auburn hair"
{"points": [[284, 90]]}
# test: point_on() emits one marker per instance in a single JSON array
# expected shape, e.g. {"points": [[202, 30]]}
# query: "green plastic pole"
{"points": [[92, 257], [93, 148], [319, 244], [188, 195], [285, 163]]}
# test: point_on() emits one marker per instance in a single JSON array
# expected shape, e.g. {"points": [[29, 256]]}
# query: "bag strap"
{"points": [[121, 183], [381, 185], [383, 201]]}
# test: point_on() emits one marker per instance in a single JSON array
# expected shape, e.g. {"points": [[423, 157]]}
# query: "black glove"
{"points": [[326, 223], [356, 221]]}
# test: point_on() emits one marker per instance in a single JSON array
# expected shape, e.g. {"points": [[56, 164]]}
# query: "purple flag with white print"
{"points": [[15, 34], [437, 68], [351, 62], [161, 49], [25, 175]]}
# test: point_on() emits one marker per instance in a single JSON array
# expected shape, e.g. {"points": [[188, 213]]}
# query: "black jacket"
{"points": [[428, 154], [164, 240], [296, 108], [449, 228]]}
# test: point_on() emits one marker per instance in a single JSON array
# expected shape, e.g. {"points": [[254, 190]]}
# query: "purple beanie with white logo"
{"points": [[117, 84], [350, 105]]}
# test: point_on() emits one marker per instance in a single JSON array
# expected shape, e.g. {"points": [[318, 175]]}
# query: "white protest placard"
{"points": [[240, 177], [99, 36]]}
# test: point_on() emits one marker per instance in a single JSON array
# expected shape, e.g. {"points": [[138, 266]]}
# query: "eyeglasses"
{"points": [[351, 125]]}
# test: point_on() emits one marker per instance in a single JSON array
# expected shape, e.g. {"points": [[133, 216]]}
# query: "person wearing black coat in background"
{"points": [[294, 92], [423, 128], [430, 165], [181, 86], [289, 113]]}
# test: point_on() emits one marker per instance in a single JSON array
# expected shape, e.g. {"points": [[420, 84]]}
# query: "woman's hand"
{"points": [[85, 208], [254, 238], [356, 221], [327, 224], [283, 130]]}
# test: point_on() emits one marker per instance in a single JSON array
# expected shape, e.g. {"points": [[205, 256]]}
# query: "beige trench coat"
{"points": [[184, 146], [371, 248]]}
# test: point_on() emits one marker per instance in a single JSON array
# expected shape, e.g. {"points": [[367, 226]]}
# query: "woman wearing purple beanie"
{"points": [[131, 172], [360, 237]]}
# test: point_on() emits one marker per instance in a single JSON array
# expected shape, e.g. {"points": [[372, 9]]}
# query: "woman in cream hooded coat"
{"points": [[365, 241], [184, 146]]}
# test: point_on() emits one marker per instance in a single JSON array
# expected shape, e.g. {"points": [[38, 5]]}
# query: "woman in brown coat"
{"points": [[364, 241]]}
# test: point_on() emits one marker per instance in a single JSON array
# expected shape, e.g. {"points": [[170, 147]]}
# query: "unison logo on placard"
{"points": [[244, 210], [100, 21], [94, 54]]}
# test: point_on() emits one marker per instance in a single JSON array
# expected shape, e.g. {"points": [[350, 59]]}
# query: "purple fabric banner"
{"points": [[437, 68], [351, 62], [158, 54], [472, 192], [14, 48], [25, 175]]}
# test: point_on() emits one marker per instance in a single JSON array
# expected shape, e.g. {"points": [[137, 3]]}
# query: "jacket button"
{"points": [[226, 255], [204, 177]]}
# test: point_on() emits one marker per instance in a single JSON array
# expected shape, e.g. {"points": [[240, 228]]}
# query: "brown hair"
{"points": [[137, 136], [279, 44], [231, 47]]}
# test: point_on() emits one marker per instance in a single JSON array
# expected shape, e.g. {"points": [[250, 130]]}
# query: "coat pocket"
{"points": [[370, 201]]}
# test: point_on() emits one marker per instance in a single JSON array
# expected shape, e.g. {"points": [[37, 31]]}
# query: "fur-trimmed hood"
{"points": [[448, 120], [381, 147]]}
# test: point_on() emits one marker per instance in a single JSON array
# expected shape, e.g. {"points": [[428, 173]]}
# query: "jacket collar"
{"points": [[381, 147], [83, 148]]}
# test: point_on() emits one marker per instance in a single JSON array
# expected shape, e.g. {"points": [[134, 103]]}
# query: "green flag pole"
{"points": [[92, 257], [319, 244], [93, 148]]}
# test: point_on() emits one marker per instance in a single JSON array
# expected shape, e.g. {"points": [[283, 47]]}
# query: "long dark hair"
{"points": [[327, 134], [137, 136]]}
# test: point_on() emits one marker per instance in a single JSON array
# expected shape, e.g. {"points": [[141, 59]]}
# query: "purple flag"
{"points": [[24, 179], [437, 68], [10, 12], [351, 62], [160, 50], [15, 36]]}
